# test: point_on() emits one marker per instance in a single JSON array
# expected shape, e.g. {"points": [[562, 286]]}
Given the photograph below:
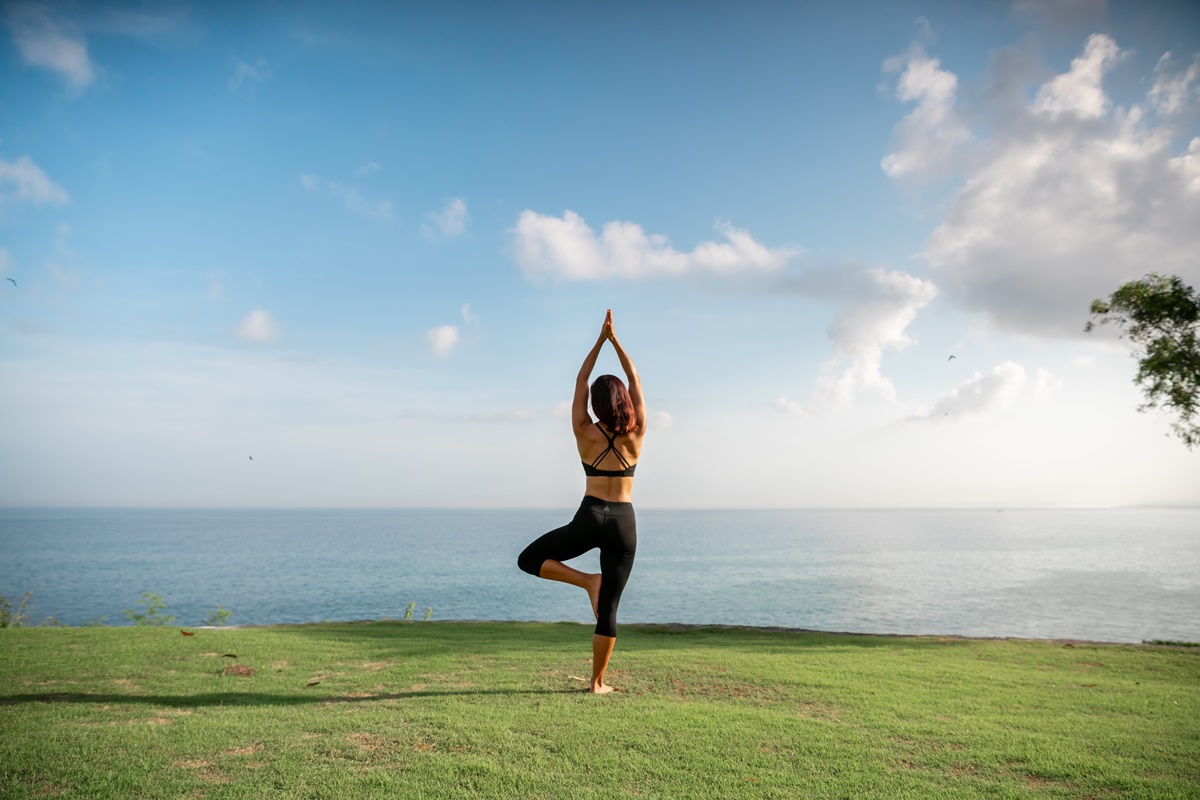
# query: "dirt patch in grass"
{"points": [[367, 741], [245, 751], [204, 770], [238, 670], [49, 790], [819, 709]]}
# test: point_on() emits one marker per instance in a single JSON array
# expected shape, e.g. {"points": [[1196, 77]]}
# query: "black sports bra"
{"points": [[593, 471]]}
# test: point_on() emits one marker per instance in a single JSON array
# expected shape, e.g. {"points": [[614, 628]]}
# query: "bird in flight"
{"points": [[951, 357], [251, 458], [14, 283]]}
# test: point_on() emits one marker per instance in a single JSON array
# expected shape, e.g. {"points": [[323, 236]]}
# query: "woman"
{"points": [[609, 449]]}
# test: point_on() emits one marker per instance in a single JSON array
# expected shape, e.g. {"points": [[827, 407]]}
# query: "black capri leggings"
{"points": [[598, 523]]}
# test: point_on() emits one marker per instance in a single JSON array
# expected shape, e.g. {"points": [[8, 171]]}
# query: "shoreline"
{"points": [[688, 626]]}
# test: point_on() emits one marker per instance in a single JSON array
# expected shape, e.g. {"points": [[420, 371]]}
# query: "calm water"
{"points": [[1123, 575]]}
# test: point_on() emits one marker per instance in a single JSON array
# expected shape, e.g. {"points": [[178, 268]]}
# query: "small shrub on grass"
{"points": [[218, 617], [14, 618], [20, 616], [151, 612], [412, 607]]}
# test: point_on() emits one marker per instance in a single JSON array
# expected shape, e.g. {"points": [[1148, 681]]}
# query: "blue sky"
{"points": [[368, 244]]}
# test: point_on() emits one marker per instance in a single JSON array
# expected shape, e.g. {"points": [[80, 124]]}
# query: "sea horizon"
{"points": [[1127, 574]]}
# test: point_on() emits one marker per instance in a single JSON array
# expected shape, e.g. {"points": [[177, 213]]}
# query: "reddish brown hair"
{"points": [[611, 402]]}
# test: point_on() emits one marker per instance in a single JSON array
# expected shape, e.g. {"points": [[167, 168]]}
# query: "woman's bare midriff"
{"points": [[616, 490]]}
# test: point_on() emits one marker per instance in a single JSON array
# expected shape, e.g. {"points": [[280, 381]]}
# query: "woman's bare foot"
{"points": [[593, 590], [600, 688]]}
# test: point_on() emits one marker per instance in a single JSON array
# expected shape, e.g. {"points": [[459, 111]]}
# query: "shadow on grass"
{"points": [[251, 698], [485, 637]]}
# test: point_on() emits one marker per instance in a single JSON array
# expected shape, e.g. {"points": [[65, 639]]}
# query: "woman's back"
{"points": [[608, 461]]}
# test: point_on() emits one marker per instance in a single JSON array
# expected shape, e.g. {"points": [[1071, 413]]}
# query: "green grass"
{"points": [[460, 710]]}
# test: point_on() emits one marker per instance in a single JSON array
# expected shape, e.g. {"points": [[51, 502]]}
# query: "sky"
{"points": [[351, 255]]}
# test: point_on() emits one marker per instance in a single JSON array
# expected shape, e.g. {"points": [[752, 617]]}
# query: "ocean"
{"points": [[1108, 575]]}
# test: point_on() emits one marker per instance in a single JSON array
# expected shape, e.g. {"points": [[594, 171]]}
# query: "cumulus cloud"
{"points": [[981, 393], [1172, 92], [789, 406], [1079, 91], [469, 317], [442, 339], [352, 200], [452, 220], [249, 75], [565, 248], [1069, 196], [259, 327], [663, 419], [49, 41], [933, 129], [876, 309], [22, 181]]}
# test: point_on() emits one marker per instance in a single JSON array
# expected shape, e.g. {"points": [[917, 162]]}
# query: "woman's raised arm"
{"points": [[579, 413], [631, 376]]}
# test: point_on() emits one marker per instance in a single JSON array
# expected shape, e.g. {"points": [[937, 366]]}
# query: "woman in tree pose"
{"points": [[609, 449]]}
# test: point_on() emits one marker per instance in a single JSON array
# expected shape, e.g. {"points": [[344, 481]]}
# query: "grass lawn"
{"points": [[461, 710]]}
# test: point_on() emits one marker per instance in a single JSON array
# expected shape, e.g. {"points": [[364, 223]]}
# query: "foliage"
{"points": [[1161, 316], [412, 607], [20, 616], [218, 617], [151, 612], [14, 618]]}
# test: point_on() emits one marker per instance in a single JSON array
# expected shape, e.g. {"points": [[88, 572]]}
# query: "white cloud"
{"points": [[1068, 197], [48, 41], [259, 327], [876, 309], [1080, 91], [982, 393], [789, 406], [450, 221], [468, 316], [548, 247], [442, 339], [352, 200], [664, 419], [24, 181], [933, 129], [250, 75], [1172, 92], [369, 168]]}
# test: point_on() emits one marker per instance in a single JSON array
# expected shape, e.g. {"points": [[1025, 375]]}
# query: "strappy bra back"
{"points": [[593, 470]]}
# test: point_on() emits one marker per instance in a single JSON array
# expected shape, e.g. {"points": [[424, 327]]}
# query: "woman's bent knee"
{"points": [[531, 563]]}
